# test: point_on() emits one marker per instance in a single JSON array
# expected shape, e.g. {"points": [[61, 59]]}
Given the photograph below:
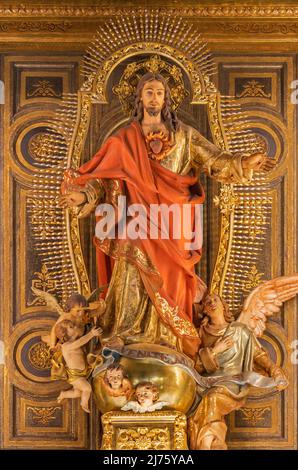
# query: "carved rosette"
{"points": [[40, 356], [38, 146], [143, 438]]}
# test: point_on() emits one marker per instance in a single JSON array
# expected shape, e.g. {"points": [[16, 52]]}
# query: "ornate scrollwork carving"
{"points": [[38, 146], [40, 356], [143, 438], [254, 415], [156, 430], [254, 278], [252, 88], [262, 28], [44, 282], [205, 11], [226, 201], [35, 26], [43, 415]]}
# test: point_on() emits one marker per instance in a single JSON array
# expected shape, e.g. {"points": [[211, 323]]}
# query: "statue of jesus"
{"points": [[154, 160]]}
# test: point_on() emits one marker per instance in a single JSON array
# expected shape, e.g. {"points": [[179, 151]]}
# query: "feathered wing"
{"points": [[266, 300], [49, 299], [96, 291]]}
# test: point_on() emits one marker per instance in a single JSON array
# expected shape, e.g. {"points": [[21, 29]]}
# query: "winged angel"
{"points": [[68, 337], [230, 352], [78, 309]]}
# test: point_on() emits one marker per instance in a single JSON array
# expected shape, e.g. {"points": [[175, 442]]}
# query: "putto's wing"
{"points": [[49, 299], [266, 300], [97, 291]]}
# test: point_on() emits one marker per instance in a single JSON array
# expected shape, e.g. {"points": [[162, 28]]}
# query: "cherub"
{"points": [[116, 383], [78, 309], [146, 399], [231, 353], [76, 368]]}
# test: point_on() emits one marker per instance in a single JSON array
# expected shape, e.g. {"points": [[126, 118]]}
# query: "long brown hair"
{"points": [[168, 115], [228, 316]]}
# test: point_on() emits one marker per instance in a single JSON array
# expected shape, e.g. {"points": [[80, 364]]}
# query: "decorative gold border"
{"points": [[43, 99], [112, 420], [272, 101], [214, 9], [24, 429], [275, 417], [226, 44]]}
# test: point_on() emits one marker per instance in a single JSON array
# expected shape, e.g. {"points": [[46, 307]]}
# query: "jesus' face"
{"points": [[153, 97]]}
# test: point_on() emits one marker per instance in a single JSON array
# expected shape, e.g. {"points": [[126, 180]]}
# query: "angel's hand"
{"points": [[72, 199], [96, 331], [99, 306], [258, 161], [222, 345], [280, 378]]}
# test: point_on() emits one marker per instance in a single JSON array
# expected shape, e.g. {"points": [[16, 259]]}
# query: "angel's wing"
{"points": [[266, 300], [94, 293], [49, 300]]}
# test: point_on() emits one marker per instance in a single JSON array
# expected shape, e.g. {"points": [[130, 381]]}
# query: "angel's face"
{"points": [[77, 310], [145, 396], [73, 332], [213, 306], [115, 378]]}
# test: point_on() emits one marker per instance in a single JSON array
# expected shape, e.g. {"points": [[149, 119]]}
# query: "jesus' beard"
{"points": [[153, 111]]}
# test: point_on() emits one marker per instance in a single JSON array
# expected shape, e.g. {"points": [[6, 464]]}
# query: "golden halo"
{"points": [[125, 90]]}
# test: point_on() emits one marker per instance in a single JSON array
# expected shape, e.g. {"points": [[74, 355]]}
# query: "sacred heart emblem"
{"points": [[156, 146]]}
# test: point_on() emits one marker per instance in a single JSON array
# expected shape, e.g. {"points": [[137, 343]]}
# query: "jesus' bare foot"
{"points": [[60, 397], [85, 408]]}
